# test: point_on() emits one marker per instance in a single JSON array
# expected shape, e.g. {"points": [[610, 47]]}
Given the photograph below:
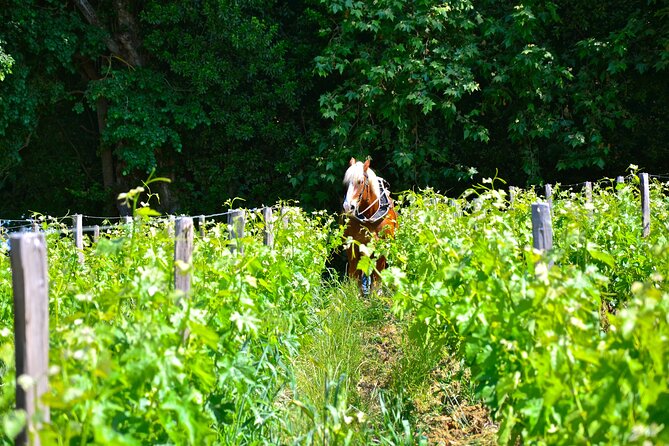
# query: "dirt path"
{"points": [[437, 397]]}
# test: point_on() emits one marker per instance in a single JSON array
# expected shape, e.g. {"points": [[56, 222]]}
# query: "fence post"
{"points": [[171, 224], [285, 217], [512, 195], [476, 205], [183, 253], [78, 232], [96, 233], [620, 180], [35, 225], [30, 282], [268, 218], [588, 192], [128, 224], [542, 229], [236, 229], [549, 195], [201, 225], [645, 203], [456, 207]]}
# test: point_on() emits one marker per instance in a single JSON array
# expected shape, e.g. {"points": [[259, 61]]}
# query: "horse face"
{"points": [[352, 198], [355, 179]]}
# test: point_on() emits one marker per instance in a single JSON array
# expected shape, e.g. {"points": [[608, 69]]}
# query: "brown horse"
{"points": [[371, 214]]}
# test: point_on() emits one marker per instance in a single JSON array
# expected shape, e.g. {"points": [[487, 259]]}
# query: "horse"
{"points": [[370, 214]]}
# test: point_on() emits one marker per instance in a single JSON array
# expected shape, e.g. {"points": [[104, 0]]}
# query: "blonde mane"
{"points": [[356, 173]]}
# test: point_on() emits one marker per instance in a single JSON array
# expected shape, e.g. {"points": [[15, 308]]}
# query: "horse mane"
{"points": [[356, 172]]}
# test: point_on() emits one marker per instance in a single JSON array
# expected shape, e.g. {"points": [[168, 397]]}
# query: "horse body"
{"points": [[370, 213]]}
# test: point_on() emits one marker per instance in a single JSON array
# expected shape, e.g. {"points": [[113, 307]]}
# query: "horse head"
{"points": [[362, 189]]}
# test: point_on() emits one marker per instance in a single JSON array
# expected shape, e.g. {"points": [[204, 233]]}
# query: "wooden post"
{"points": [[588, 192], [96, 233], [201, 225], [549, 195], [171, 223], [619, 181], [30, 281], [183, 254], [645, 203], [78, 232], [236, 229], [35, 226], [285, 217], [456, 207], [542, 229], [268, 218], [512, 195], [128, 224]]}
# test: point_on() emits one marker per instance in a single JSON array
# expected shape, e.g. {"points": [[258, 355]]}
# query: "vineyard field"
{"points": [[572, 354], [565, 347]]}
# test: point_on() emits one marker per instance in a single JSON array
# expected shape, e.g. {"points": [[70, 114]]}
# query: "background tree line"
{"points": [[263, 99]]}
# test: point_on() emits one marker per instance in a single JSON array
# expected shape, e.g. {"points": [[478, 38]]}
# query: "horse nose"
{"points": [[349, 206]]}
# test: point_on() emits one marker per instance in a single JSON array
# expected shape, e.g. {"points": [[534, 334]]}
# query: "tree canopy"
{"points": [[265, 99]]}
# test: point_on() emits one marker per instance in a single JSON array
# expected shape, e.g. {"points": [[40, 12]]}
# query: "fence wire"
{"points": [[8, 225]]}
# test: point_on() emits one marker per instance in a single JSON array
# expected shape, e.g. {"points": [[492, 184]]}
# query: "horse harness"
{"points": [[384, 200]]}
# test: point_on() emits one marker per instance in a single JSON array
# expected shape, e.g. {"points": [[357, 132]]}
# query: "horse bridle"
{"points": [[360, 215]]}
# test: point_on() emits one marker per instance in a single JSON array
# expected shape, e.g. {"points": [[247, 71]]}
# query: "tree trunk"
{"points": [[123, 42], [106, 155]]}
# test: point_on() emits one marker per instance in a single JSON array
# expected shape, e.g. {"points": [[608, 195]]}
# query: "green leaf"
{"points": [[366, 264], [13, 423], [602, 256], [207, 334], [147, 212]]}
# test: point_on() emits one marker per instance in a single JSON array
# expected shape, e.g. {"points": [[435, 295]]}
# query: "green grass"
{"points": [[363, 377]]}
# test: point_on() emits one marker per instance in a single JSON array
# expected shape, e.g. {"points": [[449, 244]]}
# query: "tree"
{"points": [[188, 89], [540, 90], [238, 72], [266, 100], [42, 38], [404, 79]]}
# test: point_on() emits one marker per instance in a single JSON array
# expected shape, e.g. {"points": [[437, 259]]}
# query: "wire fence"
{"points": [[28, 224]]}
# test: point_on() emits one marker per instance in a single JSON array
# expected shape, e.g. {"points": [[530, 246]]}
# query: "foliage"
{"points": [[268, 100], [262, 351], [405, 70], [6, 62], [545, 354], [135, 362], [33, 37], [432, 87], [184, 89]]}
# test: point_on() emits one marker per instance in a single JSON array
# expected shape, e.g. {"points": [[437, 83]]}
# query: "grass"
{"points": [[334, 348], [363, 377], [328, 368]]}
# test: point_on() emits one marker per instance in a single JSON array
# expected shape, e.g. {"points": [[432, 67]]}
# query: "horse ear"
{"points": [[351, 162], [366, 165]]}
